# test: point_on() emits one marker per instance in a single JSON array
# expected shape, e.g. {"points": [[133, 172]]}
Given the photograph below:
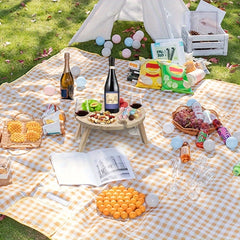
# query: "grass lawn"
{"points": [[32, 31]]}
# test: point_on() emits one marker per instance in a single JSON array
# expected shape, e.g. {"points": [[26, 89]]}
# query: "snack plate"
{"points": [[8, 144]]}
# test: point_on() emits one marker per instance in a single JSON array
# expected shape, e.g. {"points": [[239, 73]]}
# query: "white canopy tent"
{"points": [[161, 18]]}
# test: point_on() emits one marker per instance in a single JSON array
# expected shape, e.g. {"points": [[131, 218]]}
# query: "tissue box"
{"points": [[212, 41]]}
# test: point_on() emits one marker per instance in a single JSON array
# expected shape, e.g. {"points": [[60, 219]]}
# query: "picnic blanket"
{"points": [[35, 198]]}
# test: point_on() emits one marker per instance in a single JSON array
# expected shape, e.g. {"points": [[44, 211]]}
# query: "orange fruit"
{"points": [[124, 215], [128, 210], [116, 205], [143, 209], [105, 211], [132, 206], [138, 211], [116, 215], [133, 200], [120, 209], [138, 203], [124, 206], [131, 189], [132, 215]]}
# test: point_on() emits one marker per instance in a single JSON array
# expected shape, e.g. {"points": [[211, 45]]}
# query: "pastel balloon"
{"points": [[137, 37], [126, 53], [108, 44], [232, 143], [128, 41], [106, 52], [168, 128], [116, 38], [140, 33], [190, 102], [81, 82], [49, 90], [136, 44], [100, 41], [209, 145], [152, 200], [176, 142], [75, 70]]}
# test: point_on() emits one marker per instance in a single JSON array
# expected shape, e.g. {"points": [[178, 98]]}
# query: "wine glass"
{"points": [[175, 188], [136, 103]]}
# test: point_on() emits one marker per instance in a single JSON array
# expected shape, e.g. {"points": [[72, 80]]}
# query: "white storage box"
{"points": [[214, 42]]}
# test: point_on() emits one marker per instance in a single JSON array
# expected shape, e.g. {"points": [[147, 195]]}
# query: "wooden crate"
{"points": [[205, 45]]}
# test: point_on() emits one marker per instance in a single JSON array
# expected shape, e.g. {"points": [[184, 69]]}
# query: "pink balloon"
{"points": [[137, 37], [116, 38], [126, 53]]}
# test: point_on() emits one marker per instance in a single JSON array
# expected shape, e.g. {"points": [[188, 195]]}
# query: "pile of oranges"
{"points": [[121, 203]]}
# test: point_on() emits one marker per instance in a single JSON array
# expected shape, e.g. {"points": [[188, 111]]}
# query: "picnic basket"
{"points": [[190, 131], [6, 142]]}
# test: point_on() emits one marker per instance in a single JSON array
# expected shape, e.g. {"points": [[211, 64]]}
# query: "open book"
{"points": [[93, 168]]}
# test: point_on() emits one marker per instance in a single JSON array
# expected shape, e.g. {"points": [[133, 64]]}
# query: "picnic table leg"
{"points": [[142, 131], [78, 132], [84, 138]]}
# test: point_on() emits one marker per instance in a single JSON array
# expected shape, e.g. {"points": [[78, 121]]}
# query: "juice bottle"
{"points": [[185, 152], [221, 130], [202, 135]]}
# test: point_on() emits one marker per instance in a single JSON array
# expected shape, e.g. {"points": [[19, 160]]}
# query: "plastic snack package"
{"points": [[150, 74], [174, 79]]}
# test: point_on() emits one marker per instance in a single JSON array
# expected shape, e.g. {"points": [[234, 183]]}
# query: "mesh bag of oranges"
{"points": [[121, 203]]}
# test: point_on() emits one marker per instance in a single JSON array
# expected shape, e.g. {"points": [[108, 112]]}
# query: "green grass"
{"points": [[12, 230], [39, 24]]}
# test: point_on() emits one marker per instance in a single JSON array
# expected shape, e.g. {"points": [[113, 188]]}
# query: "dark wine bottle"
{"points": [[67, 82], [111, 89]]}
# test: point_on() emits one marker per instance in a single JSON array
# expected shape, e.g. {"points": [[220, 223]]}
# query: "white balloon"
{"points": [[75, 70], [136, 44], [106, 52], [152, 200], [209, 145], [168, 127], [140, 34], [108, 44]]}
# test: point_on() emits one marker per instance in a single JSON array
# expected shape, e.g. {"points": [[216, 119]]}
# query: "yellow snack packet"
{"points": [[150, 74]]}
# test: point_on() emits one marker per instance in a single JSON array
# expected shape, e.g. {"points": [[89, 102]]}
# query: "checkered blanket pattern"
{"points": [[60, 212]]}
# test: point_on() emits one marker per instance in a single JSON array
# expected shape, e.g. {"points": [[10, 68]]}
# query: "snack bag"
{"points": [[150, 74], [174, 78]]}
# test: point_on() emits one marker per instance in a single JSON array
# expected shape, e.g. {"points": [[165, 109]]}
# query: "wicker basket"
{"points": [[6, 143], [190, 131]]}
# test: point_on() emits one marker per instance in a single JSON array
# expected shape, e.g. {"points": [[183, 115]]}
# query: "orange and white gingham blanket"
{"points": [[60, 212]]}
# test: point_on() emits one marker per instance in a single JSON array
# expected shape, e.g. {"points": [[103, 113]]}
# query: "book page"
{"points": [[111, 165], [73, 168]]}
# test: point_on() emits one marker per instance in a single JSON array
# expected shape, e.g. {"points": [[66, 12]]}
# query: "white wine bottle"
{"points": [[111, 89], [67, 82]]}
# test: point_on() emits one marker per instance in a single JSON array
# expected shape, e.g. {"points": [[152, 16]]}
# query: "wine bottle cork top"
{"points": [[66, 55]]}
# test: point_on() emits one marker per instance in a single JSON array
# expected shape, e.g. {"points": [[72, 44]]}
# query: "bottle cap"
{"points": [[236, 170]]}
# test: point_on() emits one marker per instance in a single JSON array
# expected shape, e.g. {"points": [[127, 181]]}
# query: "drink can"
{"points": [[196, 76]]}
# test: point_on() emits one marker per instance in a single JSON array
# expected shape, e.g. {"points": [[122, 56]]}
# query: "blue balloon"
{"points": [[176, 142], [128, 41], [81, 82], [232, 143], [100, 41], [190, 102]]}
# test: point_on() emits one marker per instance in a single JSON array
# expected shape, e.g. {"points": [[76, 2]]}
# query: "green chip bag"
{"points": [[174, 78]]}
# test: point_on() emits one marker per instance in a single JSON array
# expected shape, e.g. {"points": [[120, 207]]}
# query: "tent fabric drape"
{"points": [[161, 18]]}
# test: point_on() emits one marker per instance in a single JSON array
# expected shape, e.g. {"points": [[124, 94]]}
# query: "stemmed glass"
{"points": [[136, 102], [174, 188]]}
